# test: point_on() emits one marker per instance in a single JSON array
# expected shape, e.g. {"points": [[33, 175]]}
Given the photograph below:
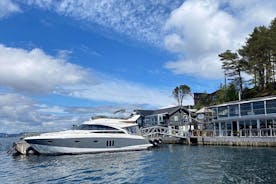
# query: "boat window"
{"points": [[95, 127], [113, 132]]}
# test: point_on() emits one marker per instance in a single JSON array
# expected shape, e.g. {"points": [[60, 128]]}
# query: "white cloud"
{"points": [[174, 43], [199, 30], [194, 30], [202, 26], [19, 113], [121, 92], [7, 7], [35, 71], [204, 66], [141, 20], [64, 54], [22, 114]]}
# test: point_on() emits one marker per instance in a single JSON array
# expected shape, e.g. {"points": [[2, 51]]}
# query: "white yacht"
{"points": [[93, 136]]}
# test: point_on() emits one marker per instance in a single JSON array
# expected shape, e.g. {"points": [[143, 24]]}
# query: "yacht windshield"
{"points": [[95, 127]]}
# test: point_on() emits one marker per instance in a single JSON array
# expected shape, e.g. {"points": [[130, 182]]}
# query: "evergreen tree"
{"points": [[257, 53], [233, 67]]}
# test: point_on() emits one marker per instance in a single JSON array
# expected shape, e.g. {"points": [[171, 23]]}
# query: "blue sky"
{"points": [[64, 61]]}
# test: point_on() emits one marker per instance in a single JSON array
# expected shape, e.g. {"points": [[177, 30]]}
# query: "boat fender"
{"points": [[155, 142], [31, 151]]}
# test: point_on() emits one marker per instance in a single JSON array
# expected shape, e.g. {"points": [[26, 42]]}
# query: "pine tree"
{"points": [[233, 67]]}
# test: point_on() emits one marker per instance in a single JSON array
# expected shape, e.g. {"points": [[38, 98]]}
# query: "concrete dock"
{"points": [[237, 141]]}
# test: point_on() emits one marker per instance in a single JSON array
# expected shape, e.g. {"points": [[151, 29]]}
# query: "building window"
{"points": [[175, 118], [247, 124], [214, 112], [269, 123], [241, 124], [254, 124], [228, 128], [258, 107], [222, 125], [246, 109], [223, 111], [262, 123], [270, 106], [274, 124], [160, 118], [233, 110]]}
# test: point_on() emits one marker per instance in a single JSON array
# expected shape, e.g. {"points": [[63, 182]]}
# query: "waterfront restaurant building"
{"points": [[249, 118], [174, 117]]}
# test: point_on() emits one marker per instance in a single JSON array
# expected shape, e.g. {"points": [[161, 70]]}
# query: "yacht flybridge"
{"points": [[93, 136]]}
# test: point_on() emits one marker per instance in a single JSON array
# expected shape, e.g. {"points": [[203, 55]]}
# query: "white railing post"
{"points": [[169, 130]]}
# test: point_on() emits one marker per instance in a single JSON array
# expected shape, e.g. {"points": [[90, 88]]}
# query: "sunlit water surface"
{"points": [[167, 164]]}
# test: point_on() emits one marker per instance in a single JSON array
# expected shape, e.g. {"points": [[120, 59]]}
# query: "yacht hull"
{"points": [[57, 150], [86, 145]]}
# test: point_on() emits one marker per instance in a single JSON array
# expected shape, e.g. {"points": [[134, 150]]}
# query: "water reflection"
{"points": [[99, 168], [168, 164]]}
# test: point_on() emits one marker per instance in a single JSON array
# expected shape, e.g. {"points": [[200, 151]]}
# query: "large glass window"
{"points": [[228, 125], [274, 123], [214, 112], [246, 109], [247, 124], [262, 123], [223, 111], [228, 128], [241, 124], [269, 123], [258, 107], [254, 124], [271, 106], [217, 128], [223, 126], [233, 110]]}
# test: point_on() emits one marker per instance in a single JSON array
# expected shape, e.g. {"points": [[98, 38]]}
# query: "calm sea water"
{"points": [[167, 164]]}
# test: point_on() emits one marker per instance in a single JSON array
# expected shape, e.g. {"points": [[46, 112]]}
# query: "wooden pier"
{"points": [[172, 136]]}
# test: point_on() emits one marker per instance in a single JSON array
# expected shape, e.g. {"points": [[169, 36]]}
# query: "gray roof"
{"points": [[246, 101], [169, 111]]}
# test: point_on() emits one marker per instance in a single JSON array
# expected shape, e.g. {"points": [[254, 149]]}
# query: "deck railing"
{"points": [[264, 132]]}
